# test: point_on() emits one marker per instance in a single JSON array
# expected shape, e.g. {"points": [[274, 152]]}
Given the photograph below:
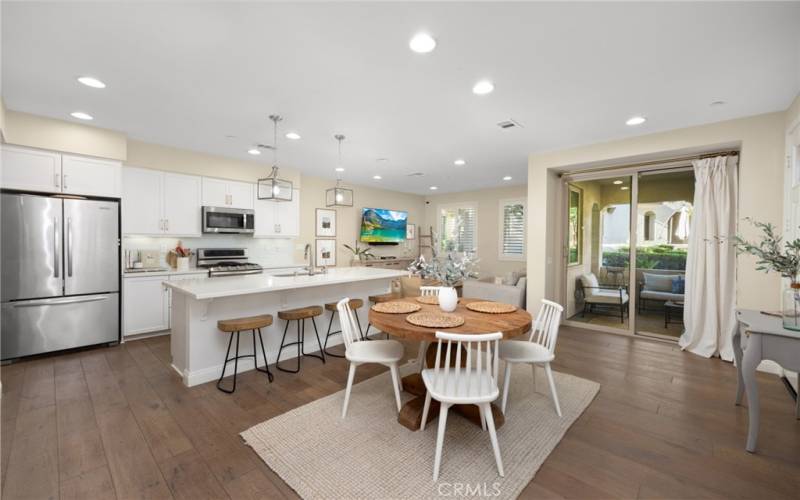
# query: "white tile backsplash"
{"points": [[269, 252]]}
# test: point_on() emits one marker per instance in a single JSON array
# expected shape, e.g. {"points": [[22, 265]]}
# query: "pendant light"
{"points": [[271, 187], [338, 196]]}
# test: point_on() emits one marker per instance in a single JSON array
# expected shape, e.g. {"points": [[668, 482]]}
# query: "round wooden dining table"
{"points": [[509, 324]]}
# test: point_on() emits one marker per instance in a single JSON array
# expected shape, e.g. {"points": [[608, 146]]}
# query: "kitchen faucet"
{"points": [[308, 256]]}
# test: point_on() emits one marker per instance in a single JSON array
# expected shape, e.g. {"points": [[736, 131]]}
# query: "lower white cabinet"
{"points": [[146, 304]]}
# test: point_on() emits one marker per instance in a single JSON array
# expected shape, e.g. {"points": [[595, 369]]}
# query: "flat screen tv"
{"points": [[381, 226]]}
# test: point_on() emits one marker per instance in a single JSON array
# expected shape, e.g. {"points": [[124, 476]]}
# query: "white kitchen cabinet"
{"points": [[146, 305], [91, 176], [31, 170], [160, 203], [215, 192], [241, 194], [142, 197], [182, 207], [225, 193], [277, 219]]}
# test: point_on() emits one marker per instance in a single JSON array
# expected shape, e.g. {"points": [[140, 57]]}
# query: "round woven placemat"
{"points": [[435, 319], [396, 307], [491, 307], [431, 300]]}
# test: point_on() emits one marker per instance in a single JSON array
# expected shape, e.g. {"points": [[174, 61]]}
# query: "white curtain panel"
{"points": [[709, 314]]}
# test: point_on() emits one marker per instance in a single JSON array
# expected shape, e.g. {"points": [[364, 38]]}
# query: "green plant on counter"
{"points": [[359, 252]]}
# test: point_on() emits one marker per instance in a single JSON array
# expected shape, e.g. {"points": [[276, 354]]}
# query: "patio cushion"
{"points": [[678, 284], [589, 283], [654, 295], [659, 282], [607, 297]]}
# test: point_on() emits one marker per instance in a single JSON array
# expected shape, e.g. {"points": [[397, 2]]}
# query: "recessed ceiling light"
{"points": [[507, 178], [636, 120], [718, 103], [92, 82], [80, 115], [254, 151], [340, 169], [434, 188], [624, 188], [382, 160], [483, 87], [460, 162], [422, 43], [292, 135], [617, 182], [377, 177]]}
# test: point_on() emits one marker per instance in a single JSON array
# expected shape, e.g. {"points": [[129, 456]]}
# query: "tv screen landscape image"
{"points": [[379, 225]]}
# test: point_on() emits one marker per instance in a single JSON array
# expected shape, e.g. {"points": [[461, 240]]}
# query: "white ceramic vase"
{"points": [[448, 299]]}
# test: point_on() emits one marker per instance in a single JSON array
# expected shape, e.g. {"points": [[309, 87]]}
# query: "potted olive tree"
{"points": [[772, 254]]}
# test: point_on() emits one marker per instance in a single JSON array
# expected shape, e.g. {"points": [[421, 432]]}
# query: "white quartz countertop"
{"points": [[231, 286], [164, 272]]}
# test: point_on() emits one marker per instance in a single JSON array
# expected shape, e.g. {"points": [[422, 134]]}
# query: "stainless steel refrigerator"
{"points": [[59, 261]]}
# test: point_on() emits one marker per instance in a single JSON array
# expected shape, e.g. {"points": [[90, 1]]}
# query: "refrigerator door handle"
{"points": [[57, 302], [55, 247], [69, 246]]}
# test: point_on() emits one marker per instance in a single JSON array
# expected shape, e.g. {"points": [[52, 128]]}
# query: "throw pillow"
{"points": [[678, 285]]}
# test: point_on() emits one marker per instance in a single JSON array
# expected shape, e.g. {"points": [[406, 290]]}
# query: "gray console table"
{"points": [[764, 338]]}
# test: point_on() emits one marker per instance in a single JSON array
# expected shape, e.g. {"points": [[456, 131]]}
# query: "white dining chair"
{"points": [[359, 352], [425, 291], [473, 384], [537, 350]]}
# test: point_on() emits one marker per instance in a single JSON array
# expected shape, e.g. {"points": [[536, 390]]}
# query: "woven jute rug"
{"points": [[370, 455]]}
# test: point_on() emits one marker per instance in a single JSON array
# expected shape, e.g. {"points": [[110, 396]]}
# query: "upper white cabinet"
{"points": [[142, 197], [225, 193], [182, 207], [277, 219], [31, 170], [90, 176], [49, 172], [160, 203]]}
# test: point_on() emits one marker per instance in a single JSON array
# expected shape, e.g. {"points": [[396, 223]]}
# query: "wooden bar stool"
{"points": [[331, 306], [236, 326], [300, 315], [377, 299]]}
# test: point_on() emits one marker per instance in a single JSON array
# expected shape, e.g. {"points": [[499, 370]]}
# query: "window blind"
{"points": [[458, 228], [513, 221]]}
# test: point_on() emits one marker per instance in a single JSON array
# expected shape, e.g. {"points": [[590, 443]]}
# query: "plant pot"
{"points": [[182, 263], [791, 307], [448, 299]]}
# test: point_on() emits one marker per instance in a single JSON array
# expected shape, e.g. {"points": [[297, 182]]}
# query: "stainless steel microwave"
{"points": [[228, 220]]}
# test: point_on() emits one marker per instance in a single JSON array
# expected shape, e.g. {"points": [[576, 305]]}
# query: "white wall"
{"points": [[761, 139]]}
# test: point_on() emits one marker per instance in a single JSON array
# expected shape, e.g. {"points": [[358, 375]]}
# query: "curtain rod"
{"points": [[650, 163]]}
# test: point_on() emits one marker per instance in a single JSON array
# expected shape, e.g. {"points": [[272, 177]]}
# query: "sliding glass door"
{"points": [[598, 252], [663, 221], [625, 250]]}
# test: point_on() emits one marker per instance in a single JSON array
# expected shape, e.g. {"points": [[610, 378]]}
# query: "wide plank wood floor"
{"points": [[118, 423]]}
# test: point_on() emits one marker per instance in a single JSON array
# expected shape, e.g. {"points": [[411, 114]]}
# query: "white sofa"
{"points": [[657, 287], [507, 294]]}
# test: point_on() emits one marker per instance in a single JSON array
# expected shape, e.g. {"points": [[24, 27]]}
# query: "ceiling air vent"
{"points": [[416, 174], [510, 123]]}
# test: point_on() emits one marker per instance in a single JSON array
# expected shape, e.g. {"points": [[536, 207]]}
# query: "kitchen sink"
{"points": [[291, 275]]}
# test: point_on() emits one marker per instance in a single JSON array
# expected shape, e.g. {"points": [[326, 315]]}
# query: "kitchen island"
{"points": [[198, 348]]}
